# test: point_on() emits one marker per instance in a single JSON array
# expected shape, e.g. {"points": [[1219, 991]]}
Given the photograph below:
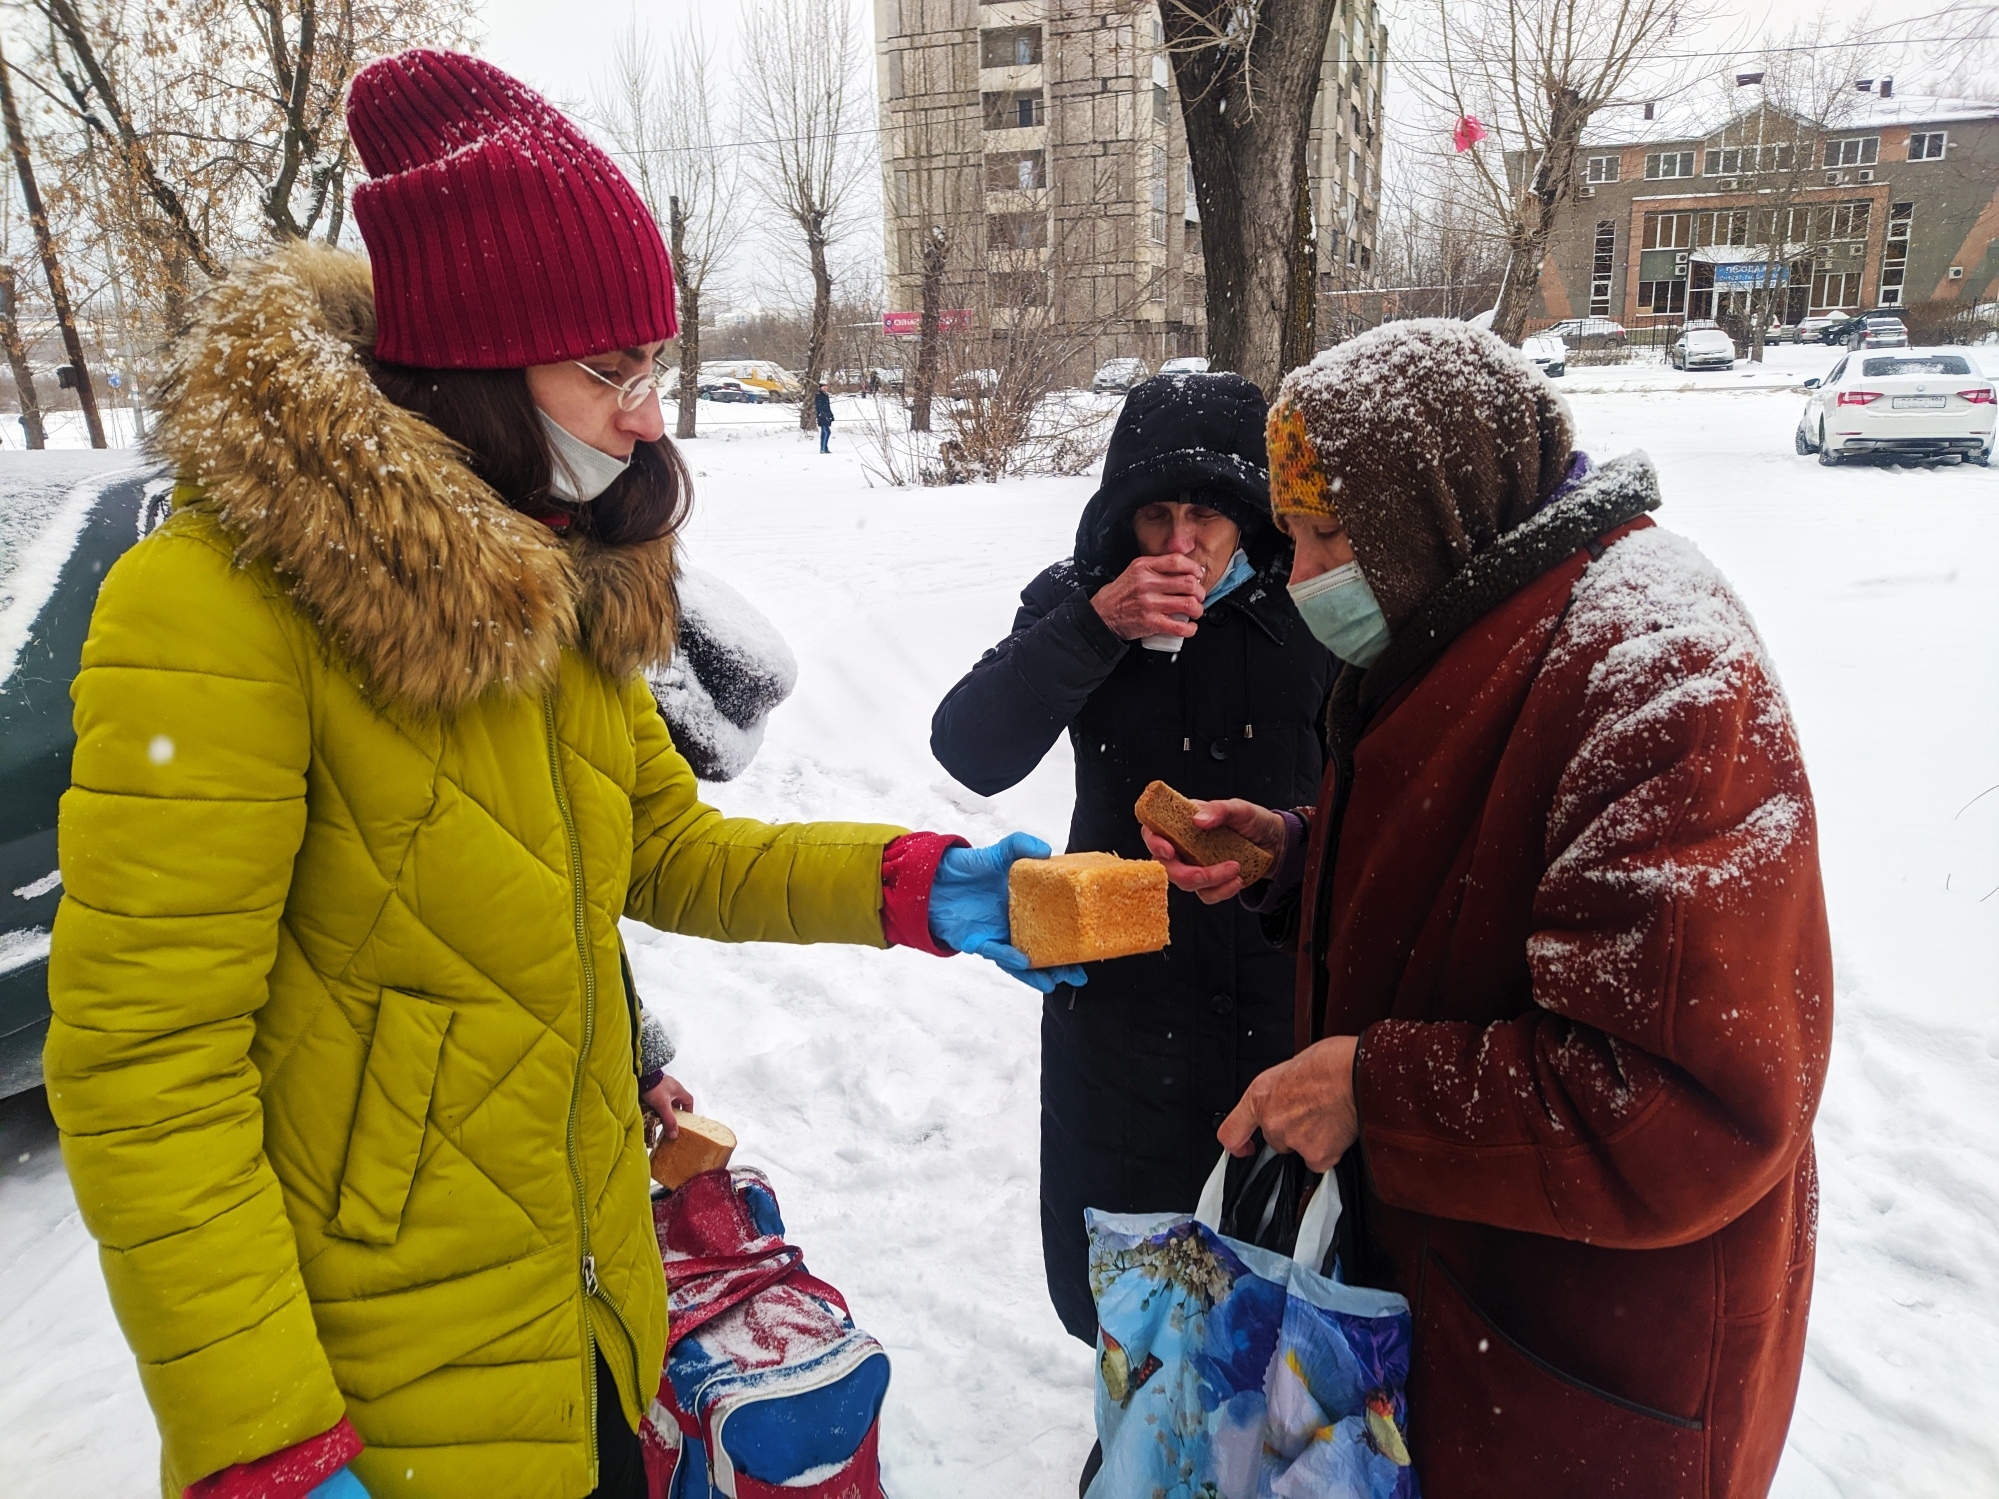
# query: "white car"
{"points": [[1118, 374], [1703, 349], [1914, 403], [1192, 364], [1549, 353]]}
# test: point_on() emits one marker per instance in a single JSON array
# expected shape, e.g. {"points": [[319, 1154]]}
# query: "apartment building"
{"points": [[1039, 142], [1894, 204]]}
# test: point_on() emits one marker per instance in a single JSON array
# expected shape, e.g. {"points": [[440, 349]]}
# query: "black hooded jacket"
{"points": [[1140, 1065]]}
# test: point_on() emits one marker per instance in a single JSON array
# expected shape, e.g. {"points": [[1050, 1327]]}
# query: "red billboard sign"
{"points": [[910, 324]]}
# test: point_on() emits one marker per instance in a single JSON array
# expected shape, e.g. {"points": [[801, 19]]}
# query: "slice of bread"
{"points": [[1171, 816], [1077, 908], [703, 1145]]}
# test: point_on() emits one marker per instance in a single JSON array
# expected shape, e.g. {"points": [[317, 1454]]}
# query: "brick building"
{"points": [[1897, 205], [1043, 140]]}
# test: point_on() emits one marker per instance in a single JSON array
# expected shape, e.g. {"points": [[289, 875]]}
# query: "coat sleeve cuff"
{"points": [[1090, 627], [909, 866], [290, 1473], [1287, 874]]}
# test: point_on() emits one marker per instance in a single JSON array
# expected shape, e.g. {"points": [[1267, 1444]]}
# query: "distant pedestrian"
{"points": [[822, 407]]}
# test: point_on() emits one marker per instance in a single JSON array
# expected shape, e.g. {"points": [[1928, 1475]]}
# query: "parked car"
{"points": [[1190, 364], [731, 392], [1702, 349], [1812, 330], [773, 380], [1549, 353], [1119, 374], [1915, 403], [1879, 333], [1589, 333]]}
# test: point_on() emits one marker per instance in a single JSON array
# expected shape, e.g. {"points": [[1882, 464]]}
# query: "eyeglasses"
{"points": [[632, 393]]}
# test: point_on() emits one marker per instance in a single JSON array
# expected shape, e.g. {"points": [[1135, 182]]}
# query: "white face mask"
{"points": [[580, 472], [1340, 610]]}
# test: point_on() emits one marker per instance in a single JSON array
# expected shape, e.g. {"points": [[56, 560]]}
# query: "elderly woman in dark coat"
{"points": [[1168, 650]]}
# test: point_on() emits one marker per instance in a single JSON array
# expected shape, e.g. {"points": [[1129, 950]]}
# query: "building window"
{"points": [[1668, 231], [1662, 296], [1160, 113], [1738, 161], [1010, 47], [1835, 291], [1895, 254], [1603, 267], [1600, 169], [1016, 171], [1019, 288], [1861, 151], [1015, 109], [1159, 195], [1927, 147], [1016, 231], [1823, 222], [1191, 203], [1663, 164]]}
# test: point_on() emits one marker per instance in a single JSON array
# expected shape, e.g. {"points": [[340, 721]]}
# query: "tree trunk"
{"points": [[1552, 189], [1248, 113], [689, 393], [17, 357], [58, 292], [936, 251], [822, 322], [1301, 318]]}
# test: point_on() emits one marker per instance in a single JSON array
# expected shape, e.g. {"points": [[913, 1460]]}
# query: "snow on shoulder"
{"points": [[731, 669], [1670, 640]]}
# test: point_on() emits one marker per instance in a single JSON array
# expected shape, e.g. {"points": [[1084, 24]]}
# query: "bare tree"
{"points": [[1807, 88], [1248, 73], [17, 360], [660, 113], [1441, 251], [804, 87], [1534, 73], [38, 219]]}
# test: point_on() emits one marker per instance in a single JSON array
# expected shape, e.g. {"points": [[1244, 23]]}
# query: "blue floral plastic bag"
{"points": [[1225, 1371]]}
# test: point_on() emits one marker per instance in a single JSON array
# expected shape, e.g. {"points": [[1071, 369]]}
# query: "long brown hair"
{"points": [[490, 414]]}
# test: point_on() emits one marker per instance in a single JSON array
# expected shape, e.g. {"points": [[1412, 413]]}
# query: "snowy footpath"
{"points": [[892, 1097]]}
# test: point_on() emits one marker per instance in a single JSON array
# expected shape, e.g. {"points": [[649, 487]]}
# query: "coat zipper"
{"points": [[580, 917]]}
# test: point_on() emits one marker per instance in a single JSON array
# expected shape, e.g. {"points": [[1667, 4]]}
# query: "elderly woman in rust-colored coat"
{"points": [[1566, 990]]}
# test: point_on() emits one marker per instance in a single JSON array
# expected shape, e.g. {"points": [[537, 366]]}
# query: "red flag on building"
{"points": [[1467, 134]]}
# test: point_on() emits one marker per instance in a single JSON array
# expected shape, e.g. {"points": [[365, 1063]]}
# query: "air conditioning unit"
{"points": [[1957, 273], [1834, 179], [1725, 184], [1866, 175], [1586, 193]]}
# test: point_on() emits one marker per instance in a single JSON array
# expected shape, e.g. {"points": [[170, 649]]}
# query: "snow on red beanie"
{"points": [[499, 236]]}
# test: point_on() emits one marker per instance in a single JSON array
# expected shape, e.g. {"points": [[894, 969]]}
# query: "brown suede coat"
{"points": [[1565, 886]]}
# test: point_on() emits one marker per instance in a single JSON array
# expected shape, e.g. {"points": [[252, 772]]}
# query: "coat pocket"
{"points": [[387, 1137], [1490, 1418]]}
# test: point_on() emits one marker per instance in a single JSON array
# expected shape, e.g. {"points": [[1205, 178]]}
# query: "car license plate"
{"points": [[1919, 403]]}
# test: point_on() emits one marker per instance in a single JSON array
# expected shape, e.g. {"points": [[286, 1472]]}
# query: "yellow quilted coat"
{"points": [[342, 1055]]}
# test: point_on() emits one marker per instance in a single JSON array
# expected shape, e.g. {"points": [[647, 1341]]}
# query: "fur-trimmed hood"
{"points": [[409, 563]]}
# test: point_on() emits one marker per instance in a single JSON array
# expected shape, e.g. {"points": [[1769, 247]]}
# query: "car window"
{"points": [[1837, 370], [1928, 364]]}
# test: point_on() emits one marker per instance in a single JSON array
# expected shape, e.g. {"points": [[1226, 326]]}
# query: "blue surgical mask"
{"points": [[1238, 573], [1343, 615], [580, 472]]}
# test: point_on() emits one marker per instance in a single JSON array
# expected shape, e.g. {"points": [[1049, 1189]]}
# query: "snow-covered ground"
{"points": [[892, 1096]]}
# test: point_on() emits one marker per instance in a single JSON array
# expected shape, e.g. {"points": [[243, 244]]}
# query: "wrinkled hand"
{"points": [[1304, 1106], [662, 1101], [1143, 599], [1218, 882], [968, 908]]}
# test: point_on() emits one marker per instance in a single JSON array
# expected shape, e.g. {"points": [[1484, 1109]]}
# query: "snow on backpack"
{"points": [[770, 1391], [1237, 1372]]}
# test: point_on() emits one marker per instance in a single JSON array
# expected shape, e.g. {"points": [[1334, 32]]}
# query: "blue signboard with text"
{"points": [[1751, 273]]}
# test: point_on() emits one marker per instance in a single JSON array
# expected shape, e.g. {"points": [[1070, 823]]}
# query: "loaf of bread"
{"points": [[1077, 908], [1171, 816], [702, 1145]]}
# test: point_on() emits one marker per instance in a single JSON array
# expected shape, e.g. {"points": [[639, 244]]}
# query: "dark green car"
{"points": [[64, 519]]}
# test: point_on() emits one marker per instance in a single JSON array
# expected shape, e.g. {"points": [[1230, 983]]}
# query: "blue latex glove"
{"points": [[342, 1485], [968, 908]]}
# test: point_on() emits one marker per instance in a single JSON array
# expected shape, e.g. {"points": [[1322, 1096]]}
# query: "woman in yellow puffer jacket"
{"points": [[365, 778]]}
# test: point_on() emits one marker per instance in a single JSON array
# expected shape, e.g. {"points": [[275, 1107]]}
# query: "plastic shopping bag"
{"points": [[1225, 1371]]}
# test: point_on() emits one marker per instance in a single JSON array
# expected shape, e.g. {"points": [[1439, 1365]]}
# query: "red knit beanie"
{"points": [[499, 236]]}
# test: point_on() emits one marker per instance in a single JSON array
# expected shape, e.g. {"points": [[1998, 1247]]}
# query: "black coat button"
{"points": [[1222, 1004], [1219, 750]]}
